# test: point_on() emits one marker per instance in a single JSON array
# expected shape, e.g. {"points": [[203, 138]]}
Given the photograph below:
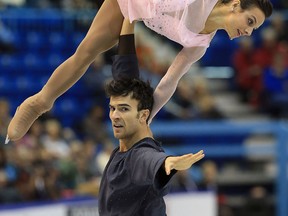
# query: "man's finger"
{"points": [[168, 170]]}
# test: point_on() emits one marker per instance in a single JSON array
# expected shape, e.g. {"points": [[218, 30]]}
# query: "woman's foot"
{"points": [[25, 115]]}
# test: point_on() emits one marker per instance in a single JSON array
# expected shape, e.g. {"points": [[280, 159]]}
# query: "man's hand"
{"points": [[182, 162]]}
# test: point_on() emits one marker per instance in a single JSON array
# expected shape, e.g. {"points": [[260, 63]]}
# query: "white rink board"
{"points": [[187, 204], [180, 204], [46, 210]]}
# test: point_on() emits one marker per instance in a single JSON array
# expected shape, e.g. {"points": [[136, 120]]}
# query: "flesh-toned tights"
{"points": [[102, 35]]}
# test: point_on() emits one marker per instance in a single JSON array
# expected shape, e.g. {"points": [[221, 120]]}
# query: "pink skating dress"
{"points": [[180, 21]]}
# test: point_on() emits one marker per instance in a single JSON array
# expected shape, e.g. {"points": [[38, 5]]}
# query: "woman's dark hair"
{"points": [[264, 5], [139, 90]]}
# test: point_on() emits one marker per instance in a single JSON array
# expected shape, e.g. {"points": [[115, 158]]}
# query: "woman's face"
{"points": [[242, 22]]}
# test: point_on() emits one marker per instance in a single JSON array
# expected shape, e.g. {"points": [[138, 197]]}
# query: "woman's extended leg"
{"points": [[102, 35]]}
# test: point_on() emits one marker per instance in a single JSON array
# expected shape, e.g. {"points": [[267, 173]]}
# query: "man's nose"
{"points": [[114, 114]]}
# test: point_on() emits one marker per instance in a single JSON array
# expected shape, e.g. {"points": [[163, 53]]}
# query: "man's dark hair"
{"points": [[139, 90], [264, 5]]}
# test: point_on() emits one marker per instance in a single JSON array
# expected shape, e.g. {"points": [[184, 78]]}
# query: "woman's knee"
{"points": [[86, 52], [94, 45]]}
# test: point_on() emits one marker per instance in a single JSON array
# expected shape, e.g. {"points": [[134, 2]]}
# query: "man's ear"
{"points": [[144, 115]]}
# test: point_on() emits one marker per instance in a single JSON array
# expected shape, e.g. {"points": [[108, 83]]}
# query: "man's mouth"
{"points": [[117, 126]]}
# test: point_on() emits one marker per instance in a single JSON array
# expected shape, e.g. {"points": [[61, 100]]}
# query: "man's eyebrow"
{"points": [[121, 105]]}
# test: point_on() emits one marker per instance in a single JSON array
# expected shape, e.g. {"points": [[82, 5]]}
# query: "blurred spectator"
{"points": [[192, 100], [277, 4], [76, 4], [258, 203], [250, 62], [17, 159], [94, 126], [15, 3], [33, 137], [38, 4], [37, 176], [279, 25], [98, 3], [210, 172], [4, 118], [8, 176], [53, 141], [103, 157], [210, 183], [284, 4], [84, 155], [95, 77], [90, 151], [154, 55], [87, 176], [248, 75], [67, 176], [43, 182], [183, 182], [64, 4], [275, 97], [6, 39], [181, 105], [78, 172], [261, 59], [269, 44]]}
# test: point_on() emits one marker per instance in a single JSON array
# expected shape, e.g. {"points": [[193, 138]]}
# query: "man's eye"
{"points": [[124, 109]]}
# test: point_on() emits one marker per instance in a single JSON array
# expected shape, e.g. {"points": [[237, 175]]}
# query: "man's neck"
{"points": [[126, 144]]}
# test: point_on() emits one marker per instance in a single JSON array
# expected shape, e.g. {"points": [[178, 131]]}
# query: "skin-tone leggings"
{"points": [[102, 35]]}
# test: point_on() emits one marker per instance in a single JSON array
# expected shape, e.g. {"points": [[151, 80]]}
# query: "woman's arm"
{"points": [[168, 84]]}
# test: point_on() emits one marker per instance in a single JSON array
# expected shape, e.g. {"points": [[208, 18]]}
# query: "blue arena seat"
{"points": [[10, 64], [6, 86], [77, 38], [67, 106], [57, 41], [27, 85], [220, 51], [34, 64], [55, 59], [36, 41]]}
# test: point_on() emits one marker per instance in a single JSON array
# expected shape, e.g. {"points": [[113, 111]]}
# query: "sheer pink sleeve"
{"points": [[168, 84], [179, 20]]}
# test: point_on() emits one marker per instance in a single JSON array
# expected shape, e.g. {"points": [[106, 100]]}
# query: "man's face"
{"points": [[243, 22], [124, 117]]}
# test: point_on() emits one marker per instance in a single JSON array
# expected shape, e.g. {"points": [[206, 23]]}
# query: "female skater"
{"points": [[191, 23]]}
